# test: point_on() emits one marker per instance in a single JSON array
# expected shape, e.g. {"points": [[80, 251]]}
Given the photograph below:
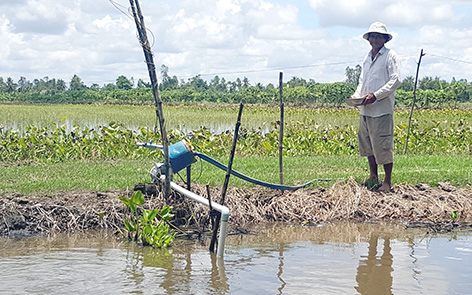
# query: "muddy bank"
{"points": [[439, 208]]}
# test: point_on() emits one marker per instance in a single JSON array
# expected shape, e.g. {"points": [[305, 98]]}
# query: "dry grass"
{"points": [[349, 201], [344, 201]]}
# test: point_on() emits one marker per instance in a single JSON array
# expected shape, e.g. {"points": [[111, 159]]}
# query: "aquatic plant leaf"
{"points": [[129, 226], [137, 198], [166, 213], [125, 200]]}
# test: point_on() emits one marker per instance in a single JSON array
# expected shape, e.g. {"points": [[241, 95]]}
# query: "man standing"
{"points": [[379, 79]]}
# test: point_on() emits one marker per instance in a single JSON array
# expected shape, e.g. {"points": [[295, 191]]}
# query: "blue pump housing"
{"points": [[180, 156]]}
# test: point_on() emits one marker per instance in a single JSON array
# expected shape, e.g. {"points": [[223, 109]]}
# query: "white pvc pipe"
{"points": [[220, 208]]}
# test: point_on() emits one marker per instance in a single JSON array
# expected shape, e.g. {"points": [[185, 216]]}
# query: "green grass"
{"points": [[411, 169], [79, 176], [118, 175]]}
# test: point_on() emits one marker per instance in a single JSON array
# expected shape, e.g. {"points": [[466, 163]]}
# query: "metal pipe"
{"points": [[150, 145], [220, 208]]}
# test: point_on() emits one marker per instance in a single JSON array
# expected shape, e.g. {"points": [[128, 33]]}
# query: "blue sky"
{"points": [[311, 39], [306, 15]]}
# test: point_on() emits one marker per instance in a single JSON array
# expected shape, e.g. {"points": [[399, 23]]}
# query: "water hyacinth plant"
{"points": [[301, 138], [151, 227]]}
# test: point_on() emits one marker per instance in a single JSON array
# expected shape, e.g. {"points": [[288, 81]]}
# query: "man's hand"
{"points": [[369, 98]]}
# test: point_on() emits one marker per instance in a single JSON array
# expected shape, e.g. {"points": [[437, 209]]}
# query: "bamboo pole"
{"points": [[228, 174], [413, 102], [281, 135], [139, 20]]}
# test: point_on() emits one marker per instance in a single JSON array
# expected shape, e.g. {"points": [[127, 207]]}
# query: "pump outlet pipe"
{"points": [[181, 156], [220, 208]]}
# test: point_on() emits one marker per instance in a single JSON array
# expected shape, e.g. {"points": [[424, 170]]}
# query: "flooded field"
{"points": [[183, 118], [343, 258]]}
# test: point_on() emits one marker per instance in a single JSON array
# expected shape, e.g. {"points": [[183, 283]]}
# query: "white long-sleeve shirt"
{"points": [[381, 77]]}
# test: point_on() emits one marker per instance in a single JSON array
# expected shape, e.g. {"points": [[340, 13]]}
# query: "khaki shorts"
{"points": [[376, 138]]}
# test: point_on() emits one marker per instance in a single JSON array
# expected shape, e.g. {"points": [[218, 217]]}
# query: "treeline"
{"points": [[431, 92]]}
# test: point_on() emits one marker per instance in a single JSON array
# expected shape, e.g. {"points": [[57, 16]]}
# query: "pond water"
{"points": [[215, 128], [274, 259]]}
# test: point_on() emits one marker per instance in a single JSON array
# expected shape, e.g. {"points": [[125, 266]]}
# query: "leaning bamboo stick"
{"points": [[139, 20]]}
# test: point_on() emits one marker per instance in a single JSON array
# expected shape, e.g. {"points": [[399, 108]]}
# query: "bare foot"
{"points": [[385, 188]]}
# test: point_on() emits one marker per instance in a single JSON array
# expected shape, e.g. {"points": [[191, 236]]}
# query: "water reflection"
{"points": [[69, 126], [281, 269], [276, 259], [374, 273], [181, 269], [218, 279]]}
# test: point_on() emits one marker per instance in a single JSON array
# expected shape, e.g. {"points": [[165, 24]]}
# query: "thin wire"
{"points": [[119, 7], [450, 58], [279, 68], [127, 11]]}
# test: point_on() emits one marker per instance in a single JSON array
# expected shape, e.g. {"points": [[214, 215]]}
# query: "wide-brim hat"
{"points": [[380, 28]]}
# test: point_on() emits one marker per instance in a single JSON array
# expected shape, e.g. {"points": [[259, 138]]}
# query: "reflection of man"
{"points": [[374, 274], [379, 79]]}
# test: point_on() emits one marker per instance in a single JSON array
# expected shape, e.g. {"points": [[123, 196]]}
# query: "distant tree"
{"points": [[11, 86], [123, 83], [215, 82], [218, 84], [198, 84], [353, 74], [164, 72], [142, 84], [312, 82], [46, 85], [95, 86], [167, 82], [61, 85], [432, 83], [296, 81], [37, 84], [408, 83], [223, 86], [76, 83], [238, 84], [461, 89], [172, 83], [3, 86], [270, 86], [232, 87], [246, 83], [24, 85], [109, 87]]}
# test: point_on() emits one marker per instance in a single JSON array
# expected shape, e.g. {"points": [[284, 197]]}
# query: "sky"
{"points": [[258, 39]]}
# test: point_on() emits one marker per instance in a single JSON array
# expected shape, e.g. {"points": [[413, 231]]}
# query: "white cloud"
{"points": [[253, 38], [398, 13]]}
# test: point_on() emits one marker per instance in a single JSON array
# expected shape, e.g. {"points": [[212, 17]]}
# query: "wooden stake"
{"points": [[228, 174], [281, 135], [212, 219], [413, 102]]}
